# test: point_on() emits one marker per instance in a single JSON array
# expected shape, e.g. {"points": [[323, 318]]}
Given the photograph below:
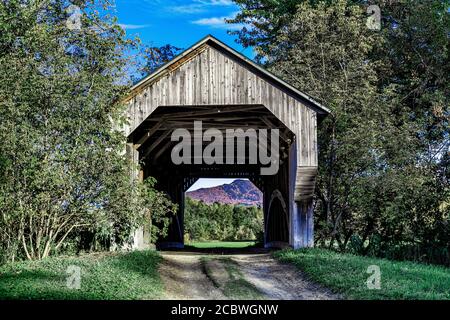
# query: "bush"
{"points": [[222, 222]]}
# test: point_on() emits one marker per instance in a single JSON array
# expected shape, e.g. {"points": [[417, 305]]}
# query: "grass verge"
{"points": [[348, 274], [107, 276], [221, 244]]}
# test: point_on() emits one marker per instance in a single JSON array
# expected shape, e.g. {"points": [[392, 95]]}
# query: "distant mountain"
{"points": [[238, 192]]}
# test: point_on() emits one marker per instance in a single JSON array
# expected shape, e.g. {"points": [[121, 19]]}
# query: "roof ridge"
{"points": [[320, 108]]}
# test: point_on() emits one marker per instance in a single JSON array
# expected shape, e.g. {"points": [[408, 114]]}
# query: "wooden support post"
{"points": [[139, 235], [304, 224], [175, 237], [294, 232], [301, 210]]}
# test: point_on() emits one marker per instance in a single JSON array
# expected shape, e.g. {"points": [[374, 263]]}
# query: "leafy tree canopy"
{"points": [[383, 182], [63, 166]]}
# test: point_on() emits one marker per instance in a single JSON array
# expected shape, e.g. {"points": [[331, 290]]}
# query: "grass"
{"points": [[107, 276], [221, 244], [347, 274], [235, 287]]}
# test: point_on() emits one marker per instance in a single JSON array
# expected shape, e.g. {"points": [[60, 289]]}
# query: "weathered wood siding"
{"points": [[211, 77]]}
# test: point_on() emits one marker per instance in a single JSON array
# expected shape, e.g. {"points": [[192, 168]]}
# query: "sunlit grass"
{"points": [[221, 244], [348, 274], [108, 276]]}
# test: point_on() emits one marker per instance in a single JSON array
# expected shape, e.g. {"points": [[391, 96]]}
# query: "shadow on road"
{"points": [[256, 249]]}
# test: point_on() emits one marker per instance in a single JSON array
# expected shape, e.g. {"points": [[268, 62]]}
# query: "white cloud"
{"points": [[198, 6], [188, 9], [133, 26], [217, 22], [217, 2]]}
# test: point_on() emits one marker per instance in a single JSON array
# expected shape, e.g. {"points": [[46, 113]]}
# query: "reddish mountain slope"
{"points": [[238, 192]]}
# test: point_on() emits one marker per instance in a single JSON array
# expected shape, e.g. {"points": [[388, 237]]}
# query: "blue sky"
{"points": [[177, 22], [180, 23], [208, 183]]}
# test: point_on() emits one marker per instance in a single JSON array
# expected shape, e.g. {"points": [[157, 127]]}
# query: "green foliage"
{"points": [[156, 57], [383, 185], [222, 222], [158, 210], [222, 244], [106, 276], [64, 177], [347, 274]]}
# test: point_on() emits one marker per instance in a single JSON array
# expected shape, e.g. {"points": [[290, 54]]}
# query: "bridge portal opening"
{"points": [[223, 213]]}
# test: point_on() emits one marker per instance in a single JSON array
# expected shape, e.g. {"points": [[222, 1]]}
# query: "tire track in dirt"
{"points": [[185, 278]]}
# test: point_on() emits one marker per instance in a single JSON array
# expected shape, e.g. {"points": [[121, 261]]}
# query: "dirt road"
{"points": [[240, 276]]}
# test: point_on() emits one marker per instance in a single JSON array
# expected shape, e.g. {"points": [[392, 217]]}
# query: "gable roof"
{"points": [[214, 42]]}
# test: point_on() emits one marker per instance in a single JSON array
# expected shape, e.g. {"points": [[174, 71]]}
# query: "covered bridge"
{"points": [[214, 84]]}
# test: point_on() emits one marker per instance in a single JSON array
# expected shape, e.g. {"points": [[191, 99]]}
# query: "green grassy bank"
{"points": [[348, 274], [221, 244], [131, 275]]}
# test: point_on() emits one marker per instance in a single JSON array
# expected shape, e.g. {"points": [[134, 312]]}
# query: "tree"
{"points": [[383, 149], [222, 221], [63, 168], [155, 57]]}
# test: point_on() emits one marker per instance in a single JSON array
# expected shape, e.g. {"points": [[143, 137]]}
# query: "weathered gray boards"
{"points": [[213, 83]]}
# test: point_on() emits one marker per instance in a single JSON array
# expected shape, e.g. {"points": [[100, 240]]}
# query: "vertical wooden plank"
{"points": [[313, 133], [233, 82], [245, 85], [134, 113], [175, 88], [141, 107], [198, 83], [169, 91], [194, 80], [304, 137], [276, 101], [308, 134], [156, 97], [258, 92], [181, 87], [293, 112], [204, 76], [237, 85], [226, 80], [221, 83], [264, 95], [166, 90], [212, 77], [146, 102], [188, 84], [297, 129], [251, 88], [285, 111], [160, 91]]}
